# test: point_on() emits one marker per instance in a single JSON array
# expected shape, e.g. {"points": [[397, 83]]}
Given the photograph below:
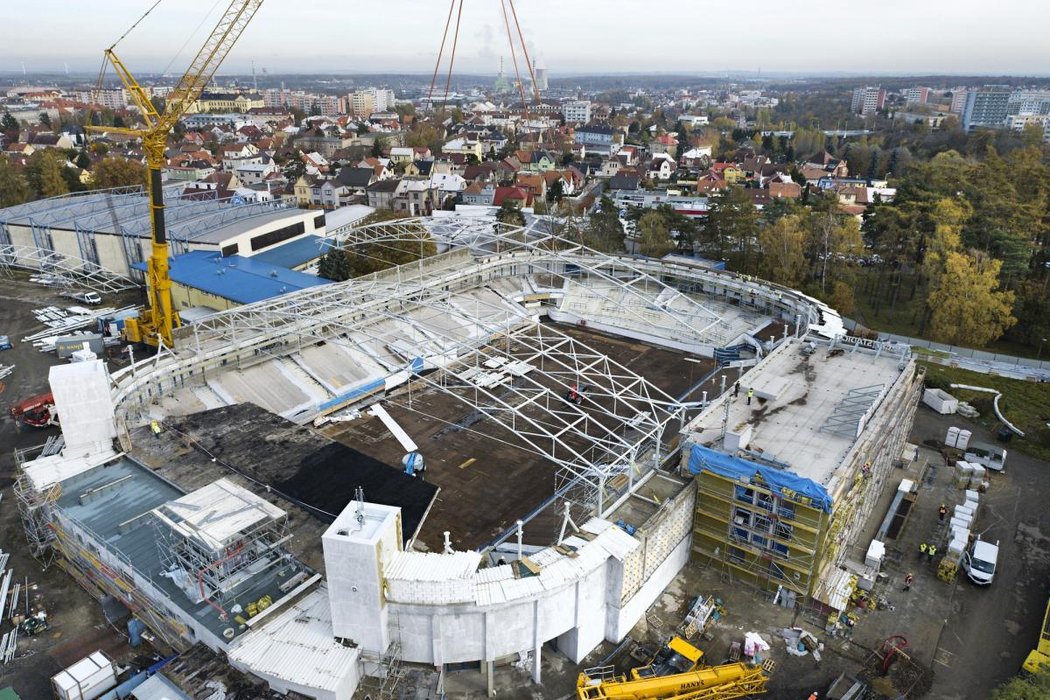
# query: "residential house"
{"points": [[664, 143], [448, 184], [731, 173], [830, 165], [661, 167], [534, 183], [305, 188], [315, 163], [630, 155], [463, 147], [479, 193], [215, 186], [610, 167], [518, 196], [356, 180], [783, 187], [711, 181], [402, 154], [696, 157], [541, 161], [255, 173], [598, 138], [625, 181], [416, 197], [46, 139], [235, 155], [382, 192]]}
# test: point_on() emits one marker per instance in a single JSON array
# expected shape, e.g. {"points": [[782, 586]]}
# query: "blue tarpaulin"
{"points": [[783, 483]]}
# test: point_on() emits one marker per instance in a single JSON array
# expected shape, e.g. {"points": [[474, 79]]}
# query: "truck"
{"points": [[36, 411], [87, 679], [1040, 656]]}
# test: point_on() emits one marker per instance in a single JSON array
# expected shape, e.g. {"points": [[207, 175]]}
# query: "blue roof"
{"points": [[293, 253], [239, 279]]}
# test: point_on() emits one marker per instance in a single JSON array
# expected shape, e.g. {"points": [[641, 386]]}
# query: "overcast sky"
{"points": [[568, 36]]}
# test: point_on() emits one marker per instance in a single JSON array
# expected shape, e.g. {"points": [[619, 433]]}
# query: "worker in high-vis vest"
{"points": [[922, 550], [931, 551]]}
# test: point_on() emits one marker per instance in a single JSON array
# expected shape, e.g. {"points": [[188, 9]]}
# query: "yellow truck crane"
{"points": [[1040, 656], [155, 325], [723, 682]]}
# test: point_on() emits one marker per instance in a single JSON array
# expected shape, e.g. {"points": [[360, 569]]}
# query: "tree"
{"points": [[509, 213], [841, 298], [378, 147], [732, 228], [45, 119], [604, 232], [783, 246], [833, 239], [44, 173], [967, 307], [1035, 686], [654, 237], [382, 255], [334, 265], [556, 191], [10, 127], [13, 186], [118, 172]]}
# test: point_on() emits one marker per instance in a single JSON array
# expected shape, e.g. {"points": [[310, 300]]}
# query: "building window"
{"points": [[742, 517], [784, 531], [786, 510], [779, 549], [765, 500], [745, 494], [735, 555], [739, 533], [762, 523], [759, 540], [278, 235]]}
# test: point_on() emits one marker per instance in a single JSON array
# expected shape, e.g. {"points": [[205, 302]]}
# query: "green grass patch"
{"points": [[1025, 404]]}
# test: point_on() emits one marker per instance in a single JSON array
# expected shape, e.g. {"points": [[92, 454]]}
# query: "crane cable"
{"points": [[137, 22], [441, 52], [514, 59], [525, 51], [452, 57]]}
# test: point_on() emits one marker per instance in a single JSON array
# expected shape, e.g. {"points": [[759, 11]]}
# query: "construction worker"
{"points": [[942, 511], [907, 581], [931, 551], [750, 393], [922, 550], [813, 695], [736, 390]]}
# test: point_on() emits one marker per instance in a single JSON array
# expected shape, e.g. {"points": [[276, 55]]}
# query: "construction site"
{"points": [[516, 467]]}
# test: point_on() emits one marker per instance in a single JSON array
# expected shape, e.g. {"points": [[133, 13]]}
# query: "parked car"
{"points": [[5, 342], [91, 298], [980, 561]]}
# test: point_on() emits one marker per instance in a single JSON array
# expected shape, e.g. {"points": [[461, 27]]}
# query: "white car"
{"points": [[980, 562]]}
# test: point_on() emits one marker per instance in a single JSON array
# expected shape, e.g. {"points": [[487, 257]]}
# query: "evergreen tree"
{"points": [[13, 186]]}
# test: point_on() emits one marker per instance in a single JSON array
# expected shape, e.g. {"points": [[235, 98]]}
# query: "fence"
{"points": [[969, 358]]}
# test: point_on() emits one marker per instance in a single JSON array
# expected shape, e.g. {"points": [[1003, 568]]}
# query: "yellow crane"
{"points": [[735, 680], [154, 325]]}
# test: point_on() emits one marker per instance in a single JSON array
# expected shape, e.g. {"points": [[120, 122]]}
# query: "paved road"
{"points": [[991, 630]]}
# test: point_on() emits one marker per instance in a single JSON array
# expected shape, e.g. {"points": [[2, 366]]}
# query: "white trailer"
{"points": [[87, 679]]}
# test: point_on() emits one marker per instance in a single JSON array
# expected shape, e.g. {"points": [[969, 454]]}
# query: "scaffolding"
{"points": [[215, 539], [384, 674], [36, 507]]}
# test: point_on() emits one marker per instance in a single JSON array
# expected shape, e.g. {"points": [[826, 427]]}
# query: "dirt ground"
{"points": [[78, 627]]}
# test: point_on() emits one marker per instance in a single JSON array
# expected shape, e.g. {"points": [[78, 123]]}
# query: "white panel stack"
{"points": [[87, 679], [964, 439], [876, 551], [85, 407], [952, 438]]}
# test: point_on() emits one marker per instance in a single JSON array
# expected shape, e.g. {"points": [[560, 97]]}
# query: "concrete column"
{"points": [[490, 686], [537, 643]]}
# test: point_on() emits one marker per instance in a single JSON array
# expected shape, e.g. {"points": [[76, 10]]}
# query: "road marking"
{"points": [[468, 463], [944, 657]]}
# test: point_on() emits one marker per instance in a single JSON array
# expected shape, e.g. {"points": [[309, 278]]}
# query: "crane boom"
{"points": [[156, 326]]}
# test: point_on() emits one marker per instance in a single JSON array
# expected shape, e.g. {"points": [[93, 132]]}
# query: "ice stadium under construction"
{"points": [[574, 413]]}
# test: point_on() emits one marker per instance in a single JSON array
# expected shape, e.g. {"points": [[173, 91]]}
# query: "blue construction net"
{"points": [[785, 484]]}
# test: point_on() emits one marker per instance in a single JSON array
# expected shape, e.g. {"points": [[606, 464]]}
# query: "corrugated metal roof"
{"points": [[617, 542], [299, 646], [234, 277], [596, 526], [836, 589]]}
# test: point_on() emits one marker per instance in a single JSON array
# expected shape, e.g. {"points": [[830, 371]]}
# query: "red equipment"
{"points": [[36, 411]]}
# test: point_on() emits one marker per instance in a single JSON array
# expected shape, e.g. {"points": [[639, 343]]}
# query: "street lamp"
{"points": [[1040, 353]]}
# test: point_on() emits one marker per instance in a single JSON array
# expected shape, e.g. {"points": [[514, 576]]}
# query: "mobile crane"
{"points": [[734, 680], [155, 325]]}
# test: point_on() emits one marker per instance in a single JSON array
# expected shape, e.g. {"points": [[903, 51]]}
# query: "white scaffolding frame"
{"points": [[617, 432]]}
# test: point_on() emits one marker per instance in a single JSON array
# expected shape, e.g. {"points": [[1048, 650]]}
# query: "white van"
{"points": [[980, 562]]}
